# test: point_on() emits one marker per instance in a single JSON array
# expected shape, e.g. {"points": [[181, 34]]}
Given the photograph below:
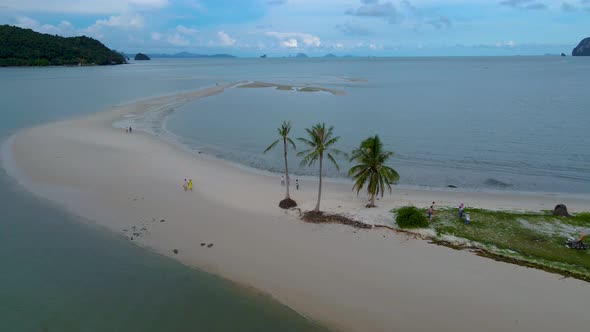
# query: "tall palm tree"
{"points": [[319, 143], [371, 168], [284, 131]]}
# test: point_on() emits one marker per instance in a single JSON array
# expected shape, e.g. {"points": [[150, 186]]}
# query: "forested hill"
{"points": [[25, 47]]}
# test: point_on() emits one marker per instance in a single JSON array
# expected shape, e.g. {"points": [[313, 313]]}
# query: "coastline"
{"points": [[348, 279]]}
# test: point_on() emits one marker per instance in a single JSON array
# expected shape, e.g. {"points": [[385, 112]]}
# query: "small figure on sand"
{"points": [[185, 185], [430, 211], [461, 209], [297, 183], [130, 129], [190, 185], [282, 180], [467, 218]]}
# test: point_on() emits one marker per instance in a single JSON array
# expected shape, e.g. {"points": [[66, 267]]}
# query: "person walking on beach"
{"points": [[467, 218], [190, 185], [461, 209], [185, 185], [130, 130], [297, 183], [430, 211]]}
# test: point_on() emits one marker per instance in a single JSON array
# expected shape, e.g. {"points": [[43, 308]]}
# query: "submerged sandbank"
{"points": [[352, 280]]}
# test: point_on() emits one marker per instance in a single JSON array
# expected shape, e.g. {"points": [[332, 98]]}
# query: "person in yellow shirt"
{"points": [[190, 184]]}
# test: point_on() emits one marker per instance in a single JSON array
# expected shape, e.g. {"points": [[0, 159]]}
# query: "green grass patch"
{"points": [[533, 237]]}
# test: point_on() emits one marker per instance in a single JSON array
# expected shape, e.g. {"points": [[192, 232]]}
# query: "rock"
{"points": [[561, 210], [210, 245], [141, 57], [583, 48], [451, 186], [175, 251], [202, 244], [563, 54], [287, 203], [162, 220]]}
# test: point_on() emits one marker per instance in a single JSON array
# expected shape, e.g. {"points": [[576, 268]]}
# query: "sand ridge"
{"points": [[348, 279]]}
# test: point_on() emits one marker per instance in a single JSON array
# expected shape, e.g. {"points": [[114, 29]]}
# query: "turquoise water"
{"points": [[60, 273], [509, 123]]}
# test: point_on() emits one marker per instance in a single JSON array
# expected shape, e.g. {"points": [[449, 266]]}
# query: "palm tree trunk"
{"points": [[287, 183], [372, 200], [317, 206]]}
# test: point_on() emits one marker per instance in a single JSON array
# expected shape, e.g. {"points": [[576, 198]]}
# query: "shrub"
{"points": [[411, 217]]}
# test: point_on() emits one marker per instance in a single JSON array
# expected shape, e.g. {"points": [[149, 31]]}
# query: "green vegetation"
{"points": [[319, 143], [283, 132], [25, 47], [530, 238], [411, 217], [371, 169]]}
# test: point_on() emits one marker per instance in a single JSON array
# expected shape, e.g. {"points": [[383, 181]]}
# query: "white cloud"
{"points": [[84, 6], [156, 36], [64, 28], [177, 39], [187, 31], [225, 39], [295, 39]]}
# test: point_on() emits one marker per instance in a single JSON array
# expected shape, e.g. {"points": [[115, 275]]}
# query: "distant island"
{"points": [[25, 47], [190, 55], [301, 55], [583, 48], [141, 57]]}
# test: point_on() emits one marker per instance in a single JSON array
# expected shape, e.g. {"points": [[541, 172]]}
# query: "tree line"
{"points": [[25, 47]]}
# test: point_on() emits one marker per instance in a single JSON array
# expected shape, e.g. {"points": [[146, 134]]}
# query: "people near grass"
{"points": [[461, 209], [467, 218]]}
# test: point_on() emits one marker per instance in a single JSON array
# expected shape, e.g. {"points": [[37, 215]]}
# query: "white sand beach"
{"points": [[347, 279]]}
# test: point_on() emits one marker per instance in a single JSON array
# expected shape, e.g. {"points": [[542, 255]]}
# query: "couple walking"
{"points": [[188, 186], [467, 216]]}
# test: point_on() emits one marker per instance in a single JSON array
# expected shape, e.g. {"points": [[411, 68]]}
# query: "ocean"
{"points": [[507, 124], [480, 123], [63, 273]]}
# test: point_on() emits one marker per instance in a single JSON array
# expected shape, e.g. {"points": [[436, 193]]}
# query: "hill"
{"points": [[25, 47], [583, 48], [141, 56]]}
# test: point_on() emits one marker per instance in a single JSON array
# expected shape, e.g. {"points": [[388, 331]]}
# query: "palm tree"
{"points": [[319, 143], [284, 131], [371, 170]]}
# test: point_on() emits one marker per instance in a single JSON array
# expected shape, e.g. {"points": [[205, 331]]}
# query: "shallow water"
{"points": [[511, 123], [61, 273]]}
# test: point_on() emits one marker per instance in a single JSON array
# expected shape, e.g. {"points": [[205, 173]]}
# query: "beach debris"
{"points": [[162, 220], [131, 238], [202, 244], [561, 210], [175, 251], [210, 245], [318, 217]]}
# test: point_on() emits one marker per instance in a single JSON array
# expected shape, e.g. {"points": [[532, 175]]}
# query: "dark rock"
{"points": [[162, 220], [563, 54], [210, 245], [583, 48], [287, 203], [202, 244], [451, 186], [175, 251], [561, 210], [141, 57]]}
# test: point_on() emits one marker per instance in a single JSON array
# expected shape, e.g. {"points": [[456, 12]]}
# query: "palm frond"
{"points": [[271, 146]]}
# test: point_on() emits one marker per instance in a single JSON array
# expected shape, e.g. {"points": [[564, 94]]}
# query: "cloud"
{"points": [[276, 2], [353, 29], [440, 22], [524, 4], [122, 21], [373, 8], [568, 7], [295, 39], [177, 39], [187, 31], [509, 44], [84, 7], [64, 28], [225, 39]]}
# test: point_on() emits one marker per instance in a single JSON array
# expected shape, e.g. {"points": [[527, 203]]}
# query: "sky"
{"points": [[314, 27]]}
